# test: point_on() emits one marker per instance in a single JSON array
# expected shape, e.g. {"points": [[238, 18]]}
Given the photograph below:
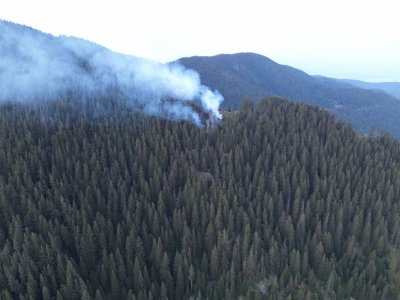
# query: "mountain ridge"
{"points": [[253, 76], [96, 69], [392, 88]]}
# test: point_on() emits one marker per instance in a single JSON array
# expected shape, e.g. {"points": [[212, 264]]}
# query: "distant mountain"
{"points": [[253, 76], [392, 88]]}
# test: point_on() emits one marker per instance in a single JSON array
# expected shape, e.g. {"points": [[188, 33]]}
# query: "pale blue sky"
{"points": [[345, 39]]}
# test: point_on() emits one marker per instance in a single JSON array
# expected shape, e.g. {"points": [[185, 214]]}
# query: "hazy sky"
{"points": [[338, 38]]}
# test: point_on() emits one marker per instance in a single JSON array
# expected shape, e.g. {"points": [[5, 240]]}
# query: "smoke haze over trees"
{"points": [[35, 67]]}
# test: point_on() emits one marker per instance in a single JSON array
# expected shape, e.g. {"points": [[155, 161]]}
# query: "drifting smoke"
{"points": [[36, 66]]}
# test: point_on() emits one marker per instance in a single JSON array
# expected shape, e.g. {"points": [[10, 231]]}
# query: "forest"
{"points": [[279, 201]]}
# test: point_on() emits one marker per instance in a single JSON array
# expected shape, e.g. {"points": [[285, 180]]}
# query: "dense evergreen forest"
{"points": [[281, 201]]}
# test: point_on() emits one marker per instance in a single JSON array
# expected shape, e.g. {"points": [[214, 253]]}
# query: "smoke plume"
{"points": [[35, 66]]}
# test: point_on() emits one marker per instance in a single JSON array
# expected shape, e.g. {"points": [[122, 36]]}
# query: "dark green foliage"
{"points": [[253, 76], [281, 202]]}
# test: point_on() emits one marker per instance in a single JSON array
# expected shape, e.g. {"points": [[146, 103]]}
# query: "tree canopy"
{"points": [[281, 201]]}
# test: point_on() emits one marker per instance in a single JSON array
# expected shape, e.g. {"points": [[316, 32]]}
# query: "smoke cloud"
{"points": [[35, 66]]}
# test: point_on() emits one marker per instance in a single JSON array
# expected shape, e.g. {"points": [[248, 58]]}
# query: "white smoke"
{"points": [[35, 66]]}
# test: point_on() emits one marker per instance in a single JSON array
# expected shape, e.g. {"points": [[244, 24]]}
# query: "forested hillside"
{"points": [[252, 76], [392, 88], [279, 202]]}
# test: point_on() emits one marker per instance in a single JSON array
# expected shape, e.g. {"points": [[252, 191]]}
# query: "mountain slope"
{"points": [[392, 88], [281, 202], [249, 75]]}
